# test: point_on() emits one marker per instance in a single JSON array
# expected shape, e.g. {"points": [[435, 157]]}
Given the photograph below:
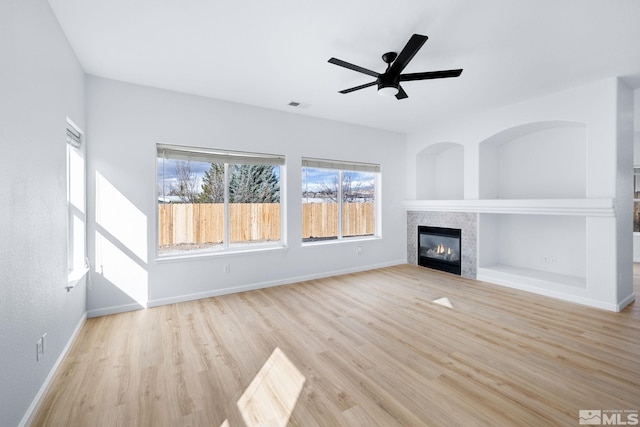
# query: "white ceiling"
{"points": [[268, 53]]}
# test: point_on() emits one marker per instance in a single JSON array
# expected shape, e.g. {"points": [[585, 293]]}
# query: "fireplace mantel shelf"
{"points": [[579, 207]]}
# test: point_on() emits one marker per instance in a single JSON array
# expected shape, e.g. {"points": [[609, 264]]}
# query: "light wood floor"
{"points": [[372, 348]]}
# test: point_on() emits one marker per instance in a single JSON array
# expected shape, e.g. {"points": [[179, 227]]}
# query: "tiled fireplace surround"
{"points": [[465, 221]]}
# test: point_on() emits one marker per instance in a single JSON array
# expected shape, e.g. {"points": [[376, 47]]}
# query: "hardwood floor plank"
{"points": [[373, 347]]}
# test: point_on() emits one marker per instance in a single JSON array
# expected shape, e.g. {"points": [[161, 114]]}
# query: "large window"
{"points": [[214, 200], [338, 199], [76, 221]]}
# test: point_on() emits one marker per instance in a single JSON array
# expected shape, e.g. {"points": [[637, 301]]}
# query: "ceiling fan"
{"points": [[389, 81]]}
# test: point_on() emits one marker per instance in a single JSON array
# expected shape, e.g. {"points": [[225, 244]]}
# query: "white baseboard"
{"points": [[514, 283], [626, 301], [234, 289], [105, 311], [26, 419]]}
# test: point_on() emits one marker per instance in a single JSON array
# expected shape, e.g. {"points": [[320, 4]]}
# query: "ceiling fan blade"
{"points": [[358, 87], [353, 67], [430, 75], [401, 93], [410, 49]]}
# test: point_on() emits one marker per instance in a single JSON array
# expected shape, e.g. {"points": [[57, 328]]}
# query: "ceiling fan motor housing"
{"points": [[386, 80]]}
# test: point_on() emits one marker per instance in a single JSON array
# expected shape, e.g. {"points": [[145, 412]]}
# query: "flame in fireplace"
{"points": [[441, 250]]}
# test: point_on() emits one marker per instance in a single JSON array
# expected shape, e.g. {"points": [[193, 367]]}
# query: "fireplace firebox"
{"points": [[440, 248]]}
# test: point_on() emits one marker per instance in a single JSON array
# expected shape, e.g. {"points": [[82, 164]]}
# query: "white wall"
{"points": [[624, 188], [41, 83], [124, 123]]}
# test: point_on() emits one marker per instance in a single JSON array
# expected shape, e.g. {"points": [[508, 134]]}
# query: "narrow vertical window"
{"points": [[76, 206]]}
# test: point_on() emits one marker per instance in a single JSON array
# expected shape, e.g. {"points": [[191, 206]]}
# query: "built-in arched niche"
{"points": [[440, 172], [542, 160]]}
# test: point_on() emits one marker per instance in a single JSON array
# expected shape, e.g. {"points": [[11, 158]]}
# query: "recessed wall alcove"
{"points": [[440, 172], [532, 178], [541, 160], [542, 251], [535, 161]]}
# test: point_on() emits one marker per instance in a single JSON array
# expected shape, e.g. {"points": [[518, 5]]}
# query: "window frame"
{"points": [[342, 166], [77, 263], [227, 158]]}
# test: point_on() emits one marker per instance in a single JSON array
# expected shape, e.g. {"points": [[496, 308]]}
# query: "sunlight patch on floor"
{"points": [[270, 398], [444, 301]]}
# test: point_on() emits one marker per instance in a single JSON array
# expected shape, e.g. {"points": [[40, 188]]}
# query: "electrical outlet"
{"points": [[226, 268], [359, 250], [553, 260], [39, 349], [545, 259]]}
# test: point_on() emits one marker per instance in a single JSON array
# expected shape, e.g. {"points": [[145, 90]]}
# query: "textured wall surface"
{"points": [[41, 83], [467, 222]]}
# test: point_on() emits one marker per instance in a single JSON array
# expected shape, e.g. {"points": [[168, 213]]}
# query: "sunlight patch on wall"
{"points": [[270, 398], [121, 218], [118, 268]]}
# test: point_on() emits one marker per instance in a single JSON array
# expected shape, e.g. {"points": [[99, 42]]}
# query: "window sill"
{"points": [[75, 277], [219, 253], [340, 241]]}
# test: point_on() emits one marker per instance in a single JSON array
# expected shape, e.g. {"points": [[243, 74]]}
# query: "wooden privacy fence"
{"points": [[203, 222], [321, 219]]}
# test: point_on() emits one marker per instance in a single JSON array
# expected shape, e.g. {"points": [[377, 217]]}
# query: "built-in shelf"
{"points": [[527, 278], [577, 207]]}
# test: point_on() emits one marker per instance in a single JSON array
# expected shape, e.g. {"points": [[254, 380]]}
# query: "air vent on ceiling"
{"points": [[297, 104]]}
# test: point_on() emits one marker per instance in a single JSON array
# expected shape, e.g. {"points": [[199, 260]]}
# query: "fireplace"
{"points": [[439, 248]]}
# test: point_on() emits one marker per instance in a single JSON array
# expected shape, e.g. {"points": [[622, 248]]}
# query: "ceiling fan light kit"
{"points": [[389, 81], [387, 91]]}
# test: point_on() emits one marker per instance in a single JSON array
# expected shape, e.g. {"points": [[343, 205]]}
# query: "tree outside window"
{"points": [[338, 202], [230, 202]]}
